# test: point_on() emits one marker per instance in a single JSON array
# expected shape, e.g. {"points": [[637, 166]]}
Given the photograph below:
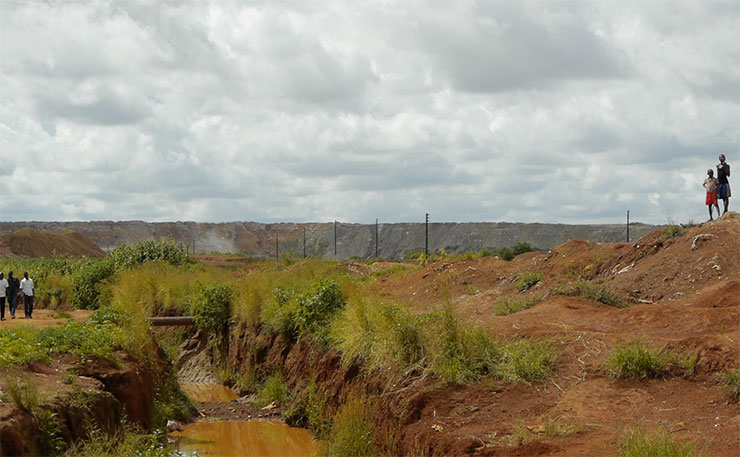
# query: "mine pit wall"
{"points": [[303, 364], [124, 390]]}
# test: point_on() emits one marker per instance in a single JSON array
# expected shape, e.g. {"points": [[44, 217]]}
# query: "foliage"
{"points": [[525, 360], [19, 347], [88, 284], [672, 231], [85, 339], [273, 389], [126, 443], [505, 253], [311, 410], [513, 306], [24, 395], [212, 309], [170, 402], [528, 280], [661, 444], [165, 250], [353, 430]]}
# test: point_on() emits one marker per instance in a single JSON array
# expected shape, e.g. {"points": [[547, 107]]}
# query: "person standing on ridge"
{"points": [[710, 184], [3, 287], [27, 288], [723, 188], [13, 286]]}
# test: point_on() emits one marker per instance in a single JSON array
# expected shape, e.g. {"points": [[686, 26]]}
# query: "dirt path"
{"points": [[42, 318]]}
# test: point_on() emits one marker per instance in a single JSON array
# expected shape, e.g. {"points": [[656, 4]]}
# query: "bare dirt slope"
{"points": [[684, 293], [27, 243]]}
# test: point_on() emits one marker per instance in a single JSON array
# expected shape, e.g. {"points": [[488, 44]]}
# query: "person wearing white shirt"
{"points": [[27, 290], [3, 287]]}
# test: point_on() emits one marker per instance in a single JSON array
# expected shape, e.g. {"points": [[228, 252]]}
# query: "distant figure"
{"points": [[27, 288], [3, 287], [13, 286], [723, 188], [710, 184]]}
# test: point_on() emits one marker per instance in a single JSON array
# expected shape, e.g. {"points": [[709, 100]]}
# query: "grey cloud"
{"points": [[107, 109], [503, 47]]}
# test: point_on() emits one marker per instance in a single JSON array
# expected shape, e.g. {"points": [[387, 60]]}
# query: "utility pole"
{"points": [[426, 236], [304, 242], [376, 237], [628, 226], [277, 253], [335, 238]]}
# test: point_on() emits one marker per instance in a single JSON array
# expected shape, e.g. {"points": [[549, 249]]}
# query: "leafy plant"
{"points": [[273, 389], [528, 280], [165, 250], [212, 309], [353, 430], [661, 444], [87, 284]]}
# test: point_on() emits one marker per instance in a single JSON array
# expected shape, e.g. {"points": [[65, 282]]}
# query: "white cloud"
{"points": [[286, 110]]}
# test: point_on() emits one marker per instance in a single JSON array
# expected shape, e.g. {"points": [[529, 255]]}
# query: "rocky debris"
{"points": [[700, 237]]}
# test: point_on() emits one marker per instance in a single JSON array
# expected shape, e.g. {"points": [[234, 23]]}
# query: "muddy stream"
{"points": [[213, 436]]}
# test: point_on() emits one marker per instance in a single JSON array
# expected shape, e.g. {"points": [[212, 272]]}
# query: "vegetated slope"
{"points": [[683, 292], [28, 243], [394, 241]]}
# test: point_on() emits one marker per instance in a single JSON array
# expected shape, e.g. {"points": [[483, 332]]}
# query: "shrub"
{"points": [[528, 280], [311, 410], [521, 248], [317, 307], [512, 306], [87, 284], [170, 402], [661, 444], [212, 309], [166, 250], [591, 292], [280, 313], [353, 430], [85, 339], [18, 347]]}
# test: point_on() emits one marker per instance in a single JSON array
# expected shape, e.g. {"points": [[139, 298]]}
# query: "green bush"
{"points": [[521, 248], [661, 444], [528, 280], [311, 410], [525, 361], [212, 309], [280, 313], [591, 292], [87, 284], [513, 306], [317, 306], [18, 347], [165, 250], [85, 339], [170, 402]]}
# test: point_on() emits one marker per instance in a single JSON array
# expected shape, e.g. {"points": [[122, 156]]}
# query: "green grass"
{"points": [[512, 306], [731, 381], [661, 444], [640, 360], [592, 292], [673, 231], [528, 280], [353, 430], [273, 389], [125, 443]]}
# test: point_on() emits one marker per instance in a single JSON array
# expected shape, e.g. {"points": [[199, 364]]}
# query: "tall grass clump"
{"points": [[126, 443], [639, 360], [212, 308], [525, 360], [353, 430], [661, 444], [673, 231], [599, 293], [514, 306], [273, 389], [89, 284], [26, 397], [310, 409]]}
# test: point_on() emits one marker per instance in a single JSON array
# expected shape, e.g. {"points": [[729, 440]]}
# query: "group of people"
{"points": [[718, 188], [10, 288]]}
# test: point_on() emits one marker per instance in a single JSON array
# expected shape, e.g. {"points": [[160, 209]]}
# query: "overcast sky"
{"points": [[297, 110]]}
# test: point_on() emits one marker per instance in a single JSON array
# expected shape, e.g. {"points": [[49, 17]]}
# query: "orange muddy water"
{"points": [[244, 438], [207, 391]]}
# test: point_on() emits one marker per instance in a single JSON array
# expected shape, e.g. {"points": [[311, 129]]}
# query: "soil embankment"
{"points": [[27, 243]]}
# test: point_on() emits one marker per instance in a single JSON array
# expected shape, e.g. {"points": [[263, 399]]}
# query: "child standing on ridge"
{"points": [[710, 184]]}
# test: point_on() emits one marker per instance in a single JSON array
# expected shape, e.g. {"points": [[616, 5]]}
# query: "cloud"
{"points": [[296, 111]]}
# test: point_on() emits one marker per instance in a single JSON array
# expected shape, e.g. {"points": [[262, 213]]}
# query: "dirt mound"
{"points": [[27, 243]]}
